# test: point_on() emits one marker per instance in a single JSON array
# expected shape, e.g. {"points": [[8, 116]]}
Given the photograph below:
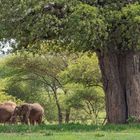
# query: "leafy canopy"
{"points": [[75, 24]]}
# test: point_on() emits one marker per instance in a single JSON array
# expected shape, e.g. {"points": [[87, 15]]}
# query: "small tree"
{"points": [[90, 100]]}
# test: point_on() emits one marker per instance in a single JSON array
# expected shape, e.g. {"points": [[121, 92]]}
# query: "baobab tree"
{"points": [[111, 28]]}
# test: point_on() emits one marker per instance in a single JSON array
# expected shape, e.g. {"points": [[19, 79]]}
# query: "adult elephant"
{"points": [[29, 113], [6, 112]]}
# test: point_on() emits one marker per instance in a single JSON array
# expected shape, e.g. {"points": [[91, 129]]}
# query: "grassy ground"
{"points": [[70, 132], [73, 136], [69, 128]]}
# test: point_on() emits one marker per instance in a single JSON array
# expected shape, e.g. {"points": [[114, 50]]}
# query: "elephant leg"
{"points": [[39, 121], [25, 120], [26, 114], [32, 122], [5, 122]]}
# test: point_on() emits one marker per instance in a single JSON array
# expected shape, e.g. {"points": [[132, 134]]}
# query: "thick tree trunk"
{"points": [[133, 84], [115, 96], [121, 80]]}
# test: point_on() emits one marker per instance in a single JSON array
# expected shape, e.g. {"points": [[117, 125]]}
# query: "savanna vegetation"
{"points": [[70, 131], [61, 83], [79, 59]]}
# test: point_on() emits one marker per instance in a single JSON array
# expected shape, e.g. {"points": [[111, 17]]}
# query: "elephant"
{"points": [[29, 113], [10, 103], [6, 112]]}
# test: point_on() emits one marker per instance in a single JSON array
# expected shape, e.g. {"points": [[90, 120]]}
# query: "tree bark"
{"points": [[60, 116], [116, 106], [67, 117], [133, 84], [121, 80]]}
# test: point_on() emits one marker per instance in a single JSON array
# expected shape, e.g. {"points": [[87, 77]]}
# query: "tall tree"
{"points": [[111, 28], [82, 70], [45, 70]]}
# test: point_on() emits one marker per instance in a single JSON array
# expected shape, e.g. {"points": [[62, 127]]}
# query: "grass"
{"points": [[68, 128], [73, 136], [70, 132]]}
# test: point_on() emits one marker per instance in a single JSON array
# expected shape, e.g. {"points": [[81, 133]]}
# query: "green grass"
{"points": [[68, 128], [70, 132], [73, 136]]}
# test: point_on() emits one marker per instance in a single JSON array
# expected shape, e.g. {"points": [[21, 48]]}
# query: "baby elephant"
{"points": [[29, 113]]}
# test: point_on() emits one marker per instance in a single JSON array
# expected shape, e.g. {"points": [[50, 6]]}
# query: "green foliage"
{"points": [[130, 29], [90, 100], [3, 94], [132, 119], [50, 80], [83, 87], [123, 28], [84, 70], [85, 28], [32, 25], [105, 25]]}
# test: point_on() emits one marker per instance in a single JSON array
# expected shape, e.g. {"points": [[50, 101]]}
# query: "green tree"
{"points": [[81, 78], [30, 78], [30, 75], [83, 70], [21, 84], [109, 28], [90, 100]]}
